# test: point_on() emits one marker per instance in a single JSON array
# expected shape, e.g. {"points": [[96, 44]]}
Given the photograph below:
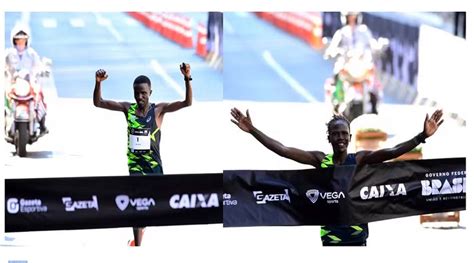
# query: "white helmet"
{"points": [[344, 16], [20, 31]]}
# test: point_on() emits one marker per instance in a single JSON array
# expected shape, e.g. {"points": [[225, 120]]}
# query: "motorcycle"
{"points": [[353, 91], [23, 111]]}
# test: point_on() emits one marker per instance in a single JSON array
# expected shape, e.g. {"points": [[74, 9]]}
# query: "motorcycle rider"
{"points": [[22, 59], [353, 36]]}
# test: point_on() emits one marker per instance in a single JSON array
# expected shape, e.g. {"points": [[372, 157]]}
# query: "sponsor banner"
{"points": [[344, 194], [114, 201], [398, 189]]}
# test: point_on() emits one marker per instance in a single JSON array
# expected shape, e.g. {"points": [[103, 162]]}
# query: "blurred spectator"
{"points": [[460, 24], [331, 23], [215, 38], [400, 61]]}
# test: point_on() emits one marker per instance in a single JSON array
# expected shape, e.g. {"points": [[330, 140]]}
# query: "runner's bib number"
{"points": [[139, 140]]}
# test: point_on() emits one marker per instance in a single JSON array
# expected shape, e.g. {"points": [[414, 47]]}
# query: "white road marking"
{"points": [[228, 27], [294, 84], [49, 23], [77, 22], [108, 24], [242, 14], [131, 22]]}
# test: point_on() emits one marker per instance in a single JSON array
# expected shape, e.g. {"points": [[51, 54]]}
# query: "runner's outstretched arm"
{"points": [[306, 157], [430, 127], [101, 75], [174, 106]]}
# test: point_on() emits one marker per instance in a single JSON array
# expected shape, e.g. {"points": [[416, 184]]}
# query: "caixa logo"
{"points": [[379, 191], [198, 200], [71, 205], [140, 203], [331, 197], [264, 198], [15, 205]]}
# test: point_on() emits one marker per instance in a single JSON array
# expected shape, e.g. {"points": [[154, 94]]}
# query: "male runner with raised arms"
{"points": [[339, 137], [144, 121]]}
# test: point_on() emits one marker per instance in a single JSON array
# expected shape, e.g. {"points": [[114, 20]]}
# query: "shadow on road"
{"points": [[38, 154]]}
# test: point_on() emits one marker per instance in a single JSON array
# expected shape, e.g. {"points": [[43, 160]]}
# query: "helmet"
{"points": [[20, 31], [344, 16]]}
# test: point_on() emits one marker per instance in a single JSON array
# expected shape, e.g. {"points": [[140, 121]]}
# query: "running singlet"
{"points": [[343, 235], [143, 142]]}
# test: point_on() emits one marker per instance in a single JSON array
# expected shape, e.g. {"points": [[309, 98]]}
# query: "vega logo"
{"points": [[140, 203], [264, 198], [330, 197], [312, 195]]}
